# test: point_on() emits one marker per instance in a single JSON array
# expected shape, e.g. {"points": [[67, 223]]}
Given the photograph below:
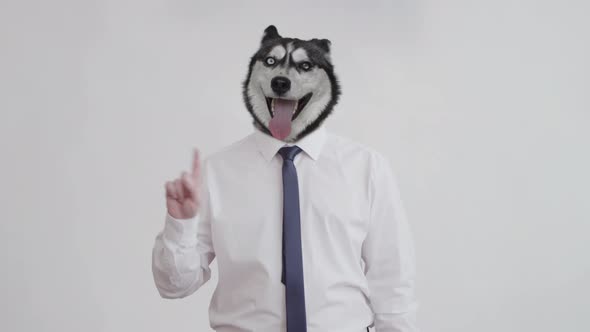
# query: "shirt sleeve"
{"points": [[183, 251], [388, 253]]}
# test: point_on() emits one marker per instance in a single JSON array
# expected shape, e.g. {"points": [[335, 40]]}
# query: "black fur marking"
{"points": [[324, 44], [270, 33]]}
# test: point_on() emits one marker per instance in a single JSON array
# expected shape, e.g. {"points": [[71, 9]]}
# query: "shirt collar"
{"points": [[311, 144]]}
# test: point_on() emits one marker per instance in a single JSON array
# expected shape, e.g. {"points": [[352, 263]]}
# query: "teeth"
{"points": [[295, 108]]}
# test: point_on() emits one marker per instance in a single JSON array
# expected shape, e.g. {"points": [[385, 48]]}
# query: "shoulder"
{"points": [[349, 148], [230, 152], [362, 158]]}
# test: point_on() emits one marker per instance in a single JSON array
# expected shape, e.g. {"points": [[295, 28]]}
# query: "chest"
{"points": [[247, 206]]}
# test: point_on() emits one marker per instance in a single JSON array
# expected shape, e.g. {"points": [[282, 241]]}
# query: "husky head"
{"points": [[291, 87]]}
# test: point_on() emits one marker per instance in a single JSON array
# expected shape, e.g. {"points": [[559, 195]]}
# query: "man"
{"points": [[308, 227]]}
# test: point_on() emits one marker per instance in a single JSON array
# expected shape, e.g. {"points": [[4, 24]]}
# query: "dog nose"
{"points": [[280, 85]]}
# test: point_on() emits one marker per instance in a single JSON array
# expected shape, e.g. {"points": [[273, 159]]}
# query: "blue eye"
{"points": [[305, 65], [270, 61]]}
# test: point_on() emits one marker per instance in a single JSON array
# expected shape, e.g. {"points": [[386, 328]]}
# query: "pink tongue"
{"points": [[280, 124]]}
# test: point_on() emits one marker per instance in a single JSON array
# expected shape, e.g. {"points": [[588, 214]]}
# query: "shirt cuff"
{"points": [[182, 231]]}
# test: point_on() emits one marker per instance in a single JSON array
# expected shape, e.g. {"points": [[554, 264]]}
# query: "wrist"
{"points": [[181, 230]]}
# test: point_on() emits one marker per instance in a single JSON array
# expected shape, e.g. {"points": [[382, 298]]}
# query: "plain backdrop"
{"points": [[481, 106]]}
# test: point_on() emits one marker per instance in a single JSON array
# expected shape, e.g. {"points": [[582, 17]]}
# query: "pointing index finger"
{"points": [[196, 163]]}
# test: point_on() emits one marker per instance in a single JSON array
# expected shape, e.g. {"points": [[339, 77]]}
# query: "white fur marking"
{"points": [[299, 55], [278, 52]]}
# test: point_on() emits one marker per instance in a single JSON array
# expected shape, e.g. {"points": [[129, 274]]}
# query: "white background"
{"points": [[482, 107]]}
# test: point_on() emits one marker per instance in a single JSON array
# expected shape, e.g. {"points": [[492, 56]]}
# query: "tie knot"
{"points": [[289, 152]]}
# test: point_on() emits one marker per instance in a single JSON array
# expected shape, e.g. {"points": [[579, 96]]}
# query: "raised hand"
{"points": [[182, 194]]}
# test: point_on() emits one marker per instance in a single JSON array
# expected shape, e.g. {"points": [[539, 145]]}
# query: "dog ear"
{"points": [[324, 44], [270, 33]]}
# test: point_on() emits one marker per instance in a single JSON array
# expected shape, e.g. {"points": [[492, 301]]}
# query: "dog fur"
{"points": [[307, 64]]}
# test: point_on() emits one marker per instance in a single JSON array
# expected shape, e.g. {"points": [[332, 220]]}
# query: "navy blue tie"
{"points": [[292, 274]]}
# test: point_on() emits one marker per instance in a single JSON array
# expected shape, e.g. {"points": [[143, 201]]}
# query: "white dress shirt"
{"points": [[358, 254]]}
